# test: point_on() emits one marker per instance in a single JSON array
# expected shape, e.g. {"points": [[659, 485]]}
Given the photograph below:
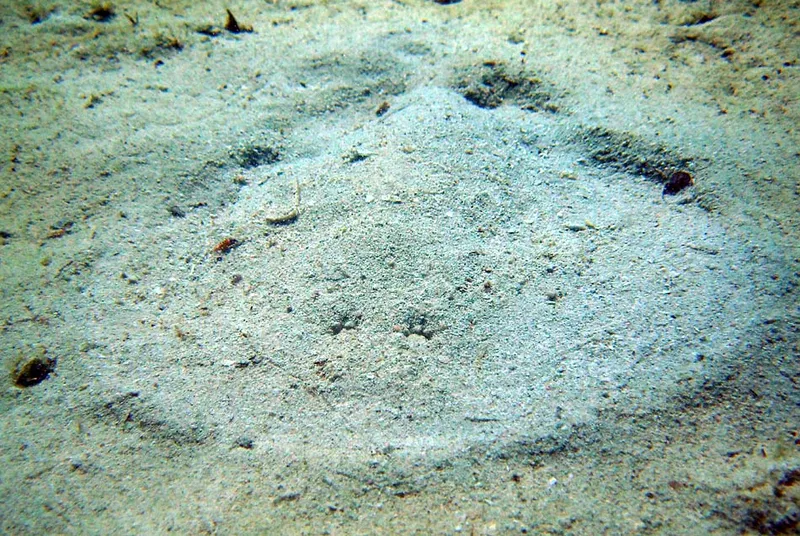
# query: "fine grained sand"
{"points": [[400, 267]]}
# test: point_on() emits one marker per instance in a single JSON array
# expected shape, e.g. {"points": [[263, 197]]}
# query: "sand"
{"points": [[400, 267]]}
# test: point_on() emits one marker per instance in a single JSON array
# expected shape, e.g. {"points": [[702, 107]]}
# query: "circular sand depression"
{"points": [[458, 277]]}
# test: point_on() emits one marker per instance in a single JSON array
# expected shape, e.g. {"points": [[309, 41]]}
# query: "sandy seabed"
{"points": [[400, 267]]}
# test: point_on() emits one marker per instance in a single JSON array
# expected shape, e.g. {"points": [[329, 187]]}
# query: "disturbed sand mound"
{"points": [[458, 277]]}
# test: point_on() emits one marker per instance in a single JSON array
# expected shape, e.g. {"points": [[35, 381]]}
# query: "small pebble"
{"points": [[244, 442]]}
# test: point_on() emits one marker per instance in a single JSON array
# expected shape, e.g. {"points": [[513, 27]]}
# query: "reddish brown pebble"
{"points": [[226, 245]]}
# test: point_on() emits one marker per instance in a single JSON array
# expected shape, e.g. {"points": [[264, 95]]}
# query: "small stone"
{"points": [[33, 371], [552, 295], [244, 442], [176, 212]]}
